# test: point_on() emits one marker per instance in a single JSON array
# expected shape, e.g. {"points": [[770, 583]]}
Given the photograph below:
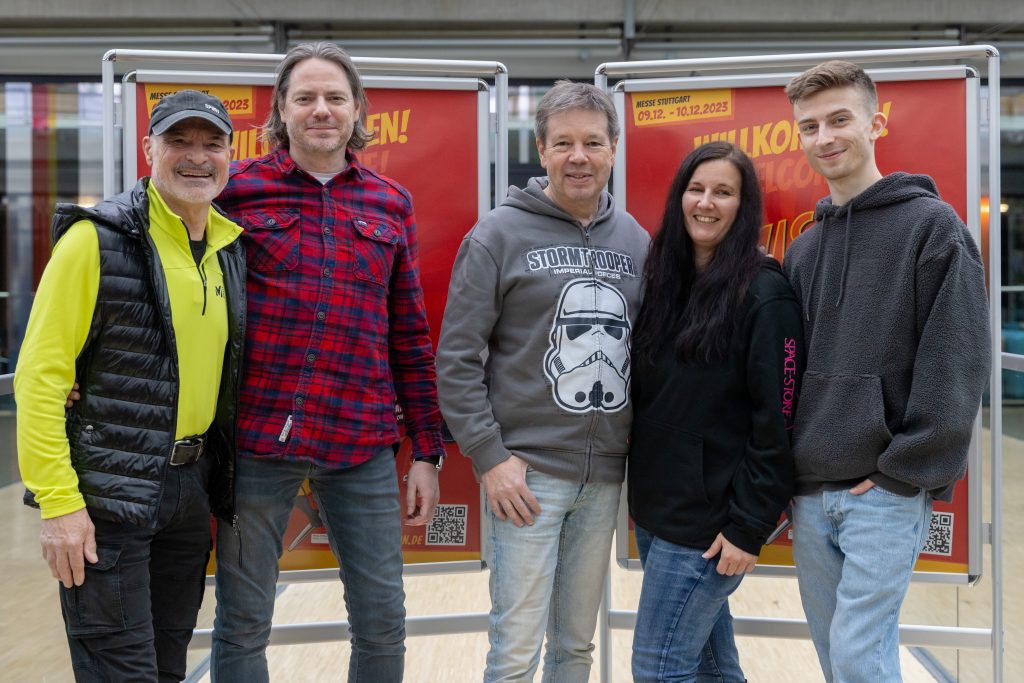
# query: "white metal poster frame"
{"points": [[928, 636], [973, 198], [421, 74]]}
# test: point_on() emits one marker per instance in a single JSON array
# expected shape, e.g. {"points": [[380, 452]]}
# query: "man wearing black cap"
{"points": [[143, 301]]}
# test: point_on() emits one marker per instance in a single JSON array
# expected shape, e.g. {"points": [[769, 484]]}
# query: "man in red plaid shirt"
{"points": [[337, 333]]}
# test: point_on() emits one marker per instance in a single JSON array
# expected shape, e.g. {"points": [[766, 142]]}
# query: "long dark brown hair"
{"points": [[697, 311]]}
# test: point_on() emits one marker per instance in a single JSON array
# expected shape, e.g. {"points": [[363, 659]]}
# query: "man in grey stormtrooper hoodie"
{"points": [[895, 315], [533, 378]]}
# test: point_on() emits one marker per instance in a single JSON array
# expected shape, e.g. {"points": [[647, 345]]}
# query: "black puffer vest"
{"points": [[122, 430]]}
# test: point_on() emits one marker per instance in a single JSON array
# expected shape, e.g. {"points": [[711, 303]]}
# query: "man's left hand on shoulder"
{"points": [[422, 492]]}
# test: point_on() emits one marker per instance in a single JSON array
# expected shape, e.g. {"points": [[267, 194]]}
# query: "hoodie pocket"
{"points": [[666, 472], [840, 425]]}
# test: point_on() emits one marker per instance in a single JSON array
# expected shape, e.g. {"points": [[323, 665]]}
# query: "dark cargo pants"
{"points": [[132, 618]]}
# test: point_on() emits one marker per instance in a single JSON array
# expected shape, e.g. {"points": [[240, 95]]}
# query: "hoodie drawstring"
{"points": [[846, 254], [814, 271], [823, 224]]}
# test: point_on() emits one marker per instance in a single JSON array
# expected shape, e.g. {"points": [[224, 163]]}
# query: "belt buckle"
{"points": [[186, 451]]}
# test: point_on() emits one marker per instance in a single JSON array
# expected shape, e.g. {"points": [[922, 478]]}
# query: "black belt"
{"points": [[186, 451]]}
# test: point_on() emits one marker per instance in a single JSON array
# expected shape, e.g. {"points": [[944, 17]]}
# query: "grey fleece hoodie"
{"points": [[892, 288], [552, 304]]}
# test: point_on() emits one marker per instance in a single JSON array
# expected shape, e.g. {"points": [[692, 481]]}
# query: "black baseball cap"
{"points": [[187, 104]]}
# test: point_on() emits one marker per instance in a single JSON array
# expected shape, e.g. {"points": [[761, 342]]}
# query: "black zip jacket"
{"points": [[122, 430], [710, 446]]}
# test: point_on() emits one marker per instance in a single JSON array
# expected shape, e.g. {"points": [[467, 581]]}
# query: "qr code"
{"points": [[448, 526], [940, 535]]}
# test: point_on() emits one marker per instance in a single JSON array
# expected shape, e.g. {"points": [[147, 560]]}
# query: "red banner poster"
{"points": [[427, 141], [926, 133]]}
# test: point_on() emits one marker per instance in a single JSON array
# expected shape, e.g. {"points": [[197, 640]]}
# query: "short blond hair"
{"points": [[832, 74]]}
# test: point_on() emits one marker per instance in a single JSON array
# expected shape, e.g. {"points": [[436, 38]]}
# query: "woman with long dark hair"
{"points": [[717, 357]]}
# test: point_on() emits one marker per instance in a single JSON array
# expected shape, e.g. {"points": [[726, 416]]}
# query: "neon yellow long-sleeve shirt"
{"points": [[58, 327]]}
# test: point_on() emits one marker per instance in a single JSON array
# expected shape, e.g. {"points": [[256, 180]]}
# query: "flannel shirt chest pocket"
{"points": [[272, 239], [374, 246]]}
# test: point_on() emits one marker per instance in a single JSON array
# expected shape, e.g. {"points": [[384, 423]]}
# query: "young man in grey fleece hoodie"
{"points": [[533, 378], [895, 315]]}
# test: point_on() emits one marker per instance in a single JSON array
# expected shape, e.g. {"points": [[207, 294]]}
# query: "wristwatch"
{"points": [[436, 460]]}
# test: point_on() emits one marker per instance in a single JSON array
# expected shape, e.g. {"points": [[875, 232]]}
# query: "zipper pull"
{"points": [[286, 430], [202, 276]]}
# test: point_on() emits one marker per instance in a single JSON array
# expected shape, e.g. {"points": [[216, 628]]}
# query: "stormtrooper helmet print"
{"points": [[588, 361]]}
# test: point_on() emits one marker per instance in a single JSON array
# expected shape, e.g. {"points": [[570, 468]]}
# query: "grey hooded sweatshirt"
{"points": [[892, 288], [534, 350]]}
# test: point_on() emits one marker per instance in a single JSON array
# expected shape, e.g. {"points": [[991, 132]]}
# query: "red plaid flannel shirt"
{"points": [[337, 329]]}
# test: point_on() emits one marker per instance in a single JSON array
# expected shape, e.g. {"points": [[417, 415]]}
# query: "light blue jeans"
{"points": [[360, 508], [683, 625], [854, 557], [549, 577]]}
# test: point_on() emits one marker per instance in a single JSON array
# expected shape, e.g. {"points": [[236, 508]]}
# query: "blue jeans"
{"points": [[360, 508], [683, 624], [854, 557], [549, 577]]}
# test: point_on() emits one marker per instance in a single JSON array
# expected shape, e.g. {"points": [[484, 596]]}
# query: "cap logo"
{"points": [[212, 108]]}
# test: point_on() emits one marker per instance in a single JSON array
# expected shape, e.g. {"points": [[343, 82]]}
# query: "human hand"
{"points": [[422, 492], [67, 542], [862, 487], [73, 396], [733, 560], [508, 494]]}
